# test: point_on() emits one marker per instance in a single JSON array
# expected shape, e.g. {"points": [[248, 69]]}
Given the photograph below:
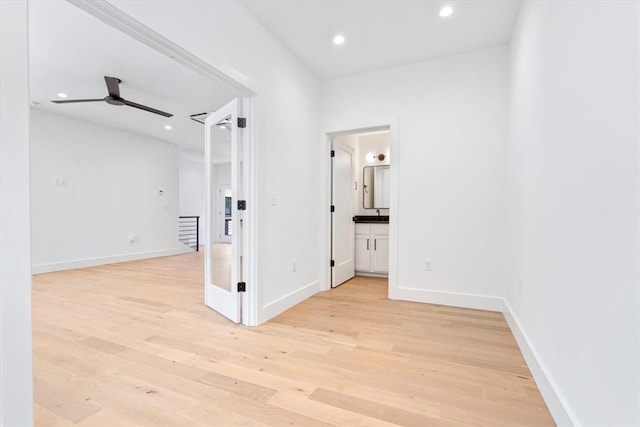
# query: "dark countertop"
{"points": [[371, 219]]}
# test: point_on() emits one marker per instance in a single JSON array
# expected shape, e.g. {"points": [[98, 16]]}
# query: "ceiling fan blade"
{"points": [[68, 101], [113, 86], [145, 108]]}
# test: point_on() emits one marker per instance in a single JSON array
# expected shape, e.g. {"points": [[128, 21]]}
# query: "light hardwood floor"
{"points": [[132, 344]]}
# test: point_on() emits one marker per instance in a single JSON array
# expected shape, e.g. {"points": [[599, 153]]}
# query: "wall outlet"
{"points": [[60, 182], [293, 265], [520, 285], [133, 238], [428, 264]]}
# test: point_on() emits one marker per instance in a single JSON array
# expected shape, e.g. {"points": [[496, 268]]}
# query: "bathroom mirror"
{"points": [[375, 187]]}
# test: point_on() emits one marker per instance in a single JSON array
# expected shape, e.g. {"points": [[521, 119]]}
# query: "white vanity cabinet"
{"points": [[372, 249]]}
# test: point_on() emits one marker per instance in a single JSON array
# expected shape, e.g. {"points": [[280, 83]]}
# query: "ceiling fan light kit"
{"points": [[114, 98]]}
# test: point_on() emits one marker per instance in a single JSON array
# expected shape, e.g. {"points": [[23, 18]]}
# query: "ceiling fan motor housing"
{"points": [[113, 100]]}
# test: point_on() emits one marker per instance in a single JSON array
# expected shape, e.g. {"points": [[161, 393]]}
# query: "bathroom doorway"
{"points": [[360, 204]]}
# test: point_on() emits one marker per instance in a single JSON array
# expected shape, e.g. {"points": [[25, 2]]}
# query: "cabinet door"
{"points": [[380, 258], [362, 250]]}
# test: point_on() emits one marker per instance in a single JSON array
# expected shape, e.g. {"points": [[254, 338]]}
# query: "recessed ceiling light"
{"points": [[168, 127], [62, 95], [446, 11], [338, 39]]}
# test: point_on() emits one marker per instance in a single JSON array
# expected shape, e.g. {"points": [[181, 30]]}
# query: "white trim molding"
{"points": [[286, 302], [551, 393], [119, 20], [93, 262], [388, 124], [553, 397], [454, 299]]}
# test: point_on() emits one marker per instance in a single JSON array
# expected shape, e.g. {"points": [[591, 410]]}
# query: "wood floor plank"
{"points": [[332, 415], [62, 403], [377, 410], [132, 344]]}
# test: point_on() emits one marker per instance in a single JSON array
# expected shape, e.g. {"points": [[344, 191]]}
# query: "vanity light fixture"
{"points": [[338, 39], [371, 157], [445, 11], [62, 95], [168, 127]]}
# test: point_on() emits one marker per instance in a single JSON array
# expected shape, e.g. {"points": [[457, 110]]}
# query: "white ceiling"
{"points": [[70, 51], [382, 33]]}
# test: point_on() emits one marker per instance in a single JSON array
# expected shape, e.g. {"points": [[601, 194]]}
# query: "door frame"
{"points": [[248, 91], [392, 125]]}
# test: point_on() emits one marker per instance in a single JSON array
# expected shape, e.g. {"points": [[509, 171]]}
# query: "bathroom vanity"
{"points": [[371, 245]]}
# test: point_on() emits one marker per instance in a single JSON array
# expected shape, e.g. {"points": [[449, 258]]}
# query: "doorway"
{"points": [[360, 204], [150, 180]]}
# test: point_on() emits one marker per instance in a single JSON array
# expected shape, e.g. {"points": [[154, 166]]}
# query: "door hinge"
{"points": [[242, 122], [242, 287], [333, 153], [332, 263], [333, 208], [242, 205]]}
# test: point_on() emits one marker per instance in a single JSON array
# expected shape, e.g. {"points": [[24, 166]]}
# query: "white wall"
{"points": [[226, 36], [16, 391], [112, 181], [192, 194], [574, 205], [452, 127], [191, 188]]}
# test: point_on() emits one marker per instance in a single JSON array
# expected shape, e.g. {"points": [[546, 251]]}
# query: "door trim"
{"points": [[116, 18], [392, 125]]}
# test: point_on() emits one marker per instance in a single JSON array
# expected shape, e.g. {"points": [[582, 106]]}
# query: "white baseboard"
{"points": [[478, 302], [558, 406], [368, 274], [276, 307], [92, 262]]}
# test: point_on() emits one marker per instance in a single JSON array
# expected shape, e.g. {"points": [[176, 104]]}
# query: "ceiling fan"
{"points": [[113, 87]]}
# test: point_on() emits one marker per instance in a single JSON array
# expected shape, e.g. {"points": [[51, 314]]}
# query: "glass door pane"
{"points": [[222, 219]]}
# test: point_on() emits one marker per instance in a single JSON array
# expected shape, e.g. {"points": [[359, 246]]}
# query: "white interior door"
{"points": [[342, 229], [222, 266]]}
